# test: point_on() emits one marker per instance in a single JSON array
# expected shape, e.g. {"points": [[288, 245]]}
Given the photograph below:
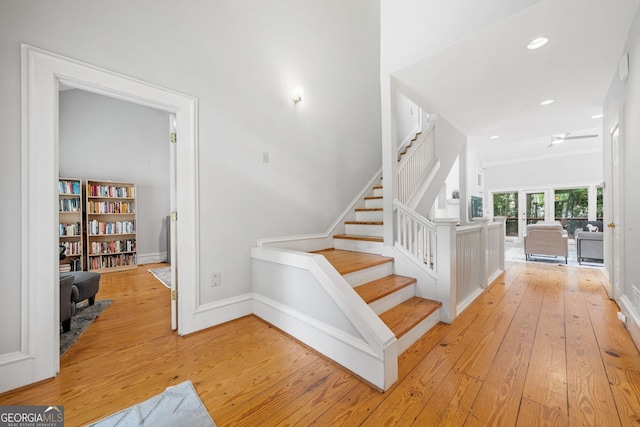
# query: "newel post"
{"points": [[503, 234], [446, 261], [483, 255]]}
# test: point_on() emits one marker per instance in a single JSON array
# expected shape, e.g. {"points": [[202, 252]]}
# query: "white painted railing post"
{"points": [[446, 267], [484, 248], [503, 232]]}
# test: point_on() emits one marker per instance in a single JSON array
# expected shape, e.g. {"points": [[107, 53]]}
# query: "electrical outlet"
{"points": [[215, 279], [622, 317]]}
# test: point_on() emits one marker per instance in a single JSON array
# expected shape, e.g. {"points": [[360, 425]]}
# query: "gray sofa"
{"points": [[590, 244], [546, 238]]}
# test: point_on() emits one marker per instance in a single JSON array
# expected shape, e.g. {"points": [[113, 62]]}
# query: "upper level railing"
{"points": [[415, 165]]}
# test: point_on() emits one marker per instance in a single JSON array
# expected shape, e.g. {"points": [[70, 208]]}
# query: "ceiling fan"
{"points": [[560, 138]]}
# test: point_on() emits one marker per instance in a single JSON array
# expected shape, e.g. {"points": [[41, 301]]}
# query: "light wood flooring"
{"points": [[542, 346]]}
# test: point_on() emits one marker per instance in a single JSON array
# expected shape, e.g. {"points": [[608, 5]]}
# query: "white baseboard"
{"points": [[216, 313], [633, 319], [151, 258]]}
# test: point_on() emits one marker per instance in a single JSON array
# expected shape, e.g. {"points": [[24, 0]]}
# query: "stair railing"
{"points": [[416, 235], [415, 165]]}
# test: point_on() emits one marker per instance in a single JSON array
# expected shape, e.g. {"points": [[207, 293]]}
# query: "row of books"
{"points": [[96, 227], [110, 191], [70, 205], [108, 261], [73, 265], [111, 207], [72, 248], [71, 229], [69, 187], [116, 246]]}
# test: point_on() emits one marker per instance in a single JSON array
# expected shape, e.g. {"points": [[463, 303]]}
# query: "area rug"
{"points": [[178, 405], [81, 321], [163, 274]]}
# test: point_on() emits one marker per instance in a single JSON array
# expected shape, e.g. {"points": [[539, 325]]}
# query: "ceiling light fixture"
{"points": [[537, 43], [494, 137], [547, 102], [597, 116]]}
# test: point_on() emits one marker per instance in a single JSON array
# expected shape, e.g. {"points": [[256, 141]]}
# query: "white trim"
{"points": [[633, 318], [152, 258], [218, 312], [42, 72]]}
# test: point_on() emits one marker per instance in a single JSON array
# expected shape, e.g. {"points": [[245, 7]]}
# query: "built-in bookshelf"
{"points": [[70, 223], [111, 226]]}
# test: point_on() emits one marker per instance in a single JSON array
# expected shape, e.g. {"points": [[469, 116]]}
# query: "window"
{"points": [[572, 208], [599, 203], [506, 204]]}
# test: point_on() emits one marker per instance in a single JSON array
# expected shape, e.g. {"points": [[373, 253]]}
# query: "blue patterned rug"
{"points": [[177, 406], [163, 274]]}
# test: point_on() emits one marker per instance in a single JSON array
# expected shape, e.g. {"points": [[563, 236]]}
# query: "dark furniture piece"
{"points": [[87, 284], [67, 303]]}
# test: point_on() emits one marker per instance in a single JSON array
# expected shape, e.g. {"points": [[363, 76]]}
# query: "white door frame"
{"points": [[42, 72]]}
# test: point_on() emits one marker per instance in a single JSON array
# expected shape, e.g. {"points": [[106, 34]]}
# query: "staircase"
{"points": [[356, 256]]}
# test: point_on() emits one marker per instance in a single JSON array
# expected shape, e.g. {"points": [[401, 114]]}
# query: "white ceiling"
{"points": [[488, 83]]}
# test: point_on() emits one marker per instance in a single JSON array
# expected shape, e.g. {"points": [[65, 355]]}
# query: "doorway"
{"points": [[616, 221], [42, 73]]}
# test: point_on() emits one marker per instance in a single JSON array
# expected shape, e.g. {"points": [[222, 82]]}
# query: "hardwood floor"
{"points": [[542, 346]]}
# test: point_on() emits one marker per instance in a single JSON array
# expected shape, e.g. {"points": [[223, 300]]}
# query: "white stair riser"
{"points": [[418, 331], [358, 246], [377, 192], [369, 216], [392, 300], [365, 230], [373, 203], [370, 274]]}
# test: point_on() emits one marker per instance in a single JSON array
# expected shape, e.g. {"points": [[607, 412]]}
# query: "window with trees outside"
{"points": [[572, 208], [506, 204]]}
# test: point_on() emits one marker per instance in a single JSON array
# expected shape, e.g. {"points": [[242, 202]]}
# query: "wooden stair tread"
{"points": [[356, 237], [402, 318], [364, 222], [368, 209], [346, 262], [373, 198], [373, 291]]}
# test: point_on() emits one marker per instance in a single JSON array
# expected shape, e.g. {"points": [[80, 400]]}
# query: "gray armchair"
{"points": [[67, 303], [589, 244]]}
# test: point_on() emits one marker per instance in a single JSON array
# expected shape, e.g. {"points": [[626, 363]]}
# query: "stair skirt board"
{"points": [[406, 340], [350, 352], [370, 274], [392, 300]]}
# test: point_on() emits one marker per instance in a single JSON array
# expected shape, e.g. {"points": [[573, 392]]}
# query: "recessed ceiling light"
{"points": [[597, 116], [547, 102], [537, 43], [494, 137]]}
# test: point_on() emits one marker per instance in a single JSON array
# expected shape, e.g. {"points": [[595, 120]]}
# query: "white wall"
{"points": [[109, 139], [564, 171], [241, 59], [625, 97], [408, 117]]}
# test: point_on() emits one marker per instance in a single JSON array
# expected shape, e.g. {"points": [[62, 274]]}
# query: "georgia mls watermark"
{"points": [[31, 416]]}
